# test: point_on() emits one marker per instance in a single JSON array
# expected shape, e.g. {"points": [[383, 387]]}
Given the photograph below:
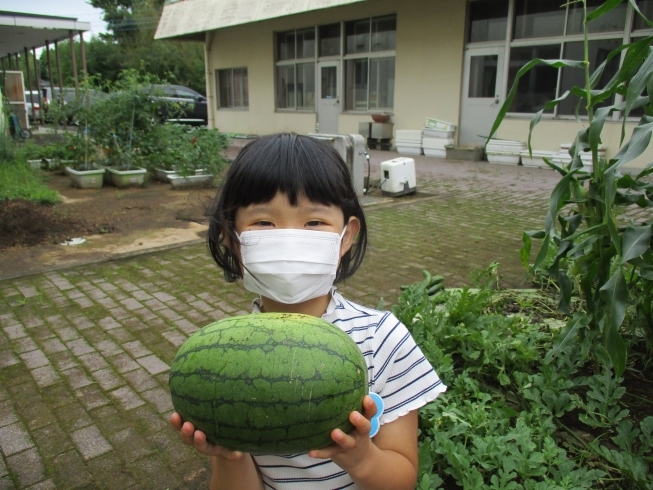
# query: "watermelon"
{"points": [[269, 383]]}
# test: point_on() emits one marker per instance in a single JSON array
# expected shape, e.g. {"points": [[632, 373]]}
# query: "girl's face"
{"points": [[307, 215]]}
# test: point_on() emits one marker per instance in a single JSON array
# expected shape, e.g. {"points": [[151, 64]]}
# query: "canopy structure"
{"points": [[190, 19], [22, 33]]}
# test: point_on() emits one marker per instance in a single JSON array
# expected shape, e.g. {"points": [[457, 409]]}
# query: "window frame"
{"points": [[230, 71], [625, 35], [343, 57]]}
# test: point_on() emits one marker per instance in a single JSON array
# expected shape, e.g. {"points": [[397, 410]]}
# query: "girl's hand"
{"points": [[351, 450], [197, 439]]}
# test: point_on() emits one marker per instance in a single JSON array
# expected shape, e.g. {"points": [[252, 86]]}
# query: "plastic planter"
{"points": [[184, 182], [86, 179], [127, 178]]}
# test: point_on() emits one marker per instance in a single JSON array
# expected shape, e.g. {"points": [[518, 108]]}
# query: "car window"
{"points": [[186, 94]]}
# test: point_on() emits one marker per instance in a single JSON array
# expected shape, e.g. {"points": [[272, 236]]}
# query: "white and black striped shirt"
{"points": [[397, 371]]}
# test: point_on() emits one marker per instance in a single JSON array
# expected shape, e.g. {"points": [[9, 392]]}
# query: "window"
{"points": [[329, 40], [296, 69], [232, 88], [488, 20], [370, 63], [547, 29]]}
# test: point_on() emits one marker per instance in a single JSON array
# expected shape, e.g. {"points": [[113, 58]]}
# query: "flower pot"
{"points": [[38, 164], [86, 179], [163, 175], [201, 180], [380, 118], [107, 175], [127, 178]]}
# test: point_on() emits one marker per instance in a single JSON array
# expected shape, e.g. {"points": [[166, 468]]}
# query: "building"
{"points": [[298, 65]]}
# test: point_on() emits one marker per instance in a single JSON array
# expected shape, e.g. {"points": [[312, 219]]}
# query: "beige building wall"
{"points": [[428, 72]]}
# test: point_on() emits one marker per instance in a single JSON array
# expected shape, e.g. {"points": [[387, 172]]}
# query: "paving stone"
{"points": [[127, 398], [14, 439], [149, 421], [123, 363], [131, 304], [170, 446], [136, 349], [73, 417], [77, 378], [109, 472], [27, 467], [42, 333], [152, 471], [34, 359], [163, 297], [79, 347], [160, 398], [3, 468], [91, 397], [64, 360], [45, 376], [43, 485], [90, 442], [70, 471], [26, 344], [7, 483], [52, 440], [169, 314], [7, 358], [36, 414], [8, 319], [195, 473], [140, 380], [121, 335], [146, 315], [52, 346], [7, 414], [153, 364], [108, 348], [67, 334], [93, 362], [155, 304], [83, 302], [108, 379], [32, 321], [58, 395], [119, 313], [187, 327], [130, 444], [82, 322], [108, 323], [16, 331], [174, 337], [109, 420], [141, 295]]}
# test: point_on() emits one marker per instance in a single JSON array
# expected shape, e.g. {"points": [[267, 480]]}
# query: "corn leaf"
{"points": [[636, 241], [615, 294]]}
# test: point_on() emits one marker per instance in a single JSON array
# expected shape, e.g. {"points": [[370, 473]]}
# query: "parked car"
{"points": [[34, 112], [189, 106]]}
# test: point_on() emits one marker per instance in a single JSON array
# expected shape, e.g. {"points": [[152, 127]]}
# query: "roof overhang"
{"points": [[19, 31], [188, 19]]}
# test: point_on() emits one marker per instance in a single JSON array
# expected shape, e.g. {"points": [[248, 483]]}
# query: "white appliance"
{"points": [[398, 177]]}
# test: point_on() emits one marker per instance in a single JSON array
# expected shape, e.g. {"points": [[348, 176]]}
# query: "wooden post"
{"points": [[56, 52], [38, 87], [81, 45], [29, 85], [73, 59], [47, 47], [2, 60]]}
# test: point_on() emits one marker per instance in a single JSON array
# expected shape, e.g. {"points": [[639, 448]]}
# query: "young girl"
{"points": [[288, 222]]}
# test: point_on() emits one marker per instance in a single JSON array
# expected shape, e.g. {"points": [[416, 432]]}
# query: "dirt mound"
{"points": [[24, 223]]}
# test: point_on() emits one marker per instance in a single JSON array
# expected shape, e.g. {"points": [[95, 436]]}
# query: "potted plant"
{"points": [[83, 174], [202, 159]]}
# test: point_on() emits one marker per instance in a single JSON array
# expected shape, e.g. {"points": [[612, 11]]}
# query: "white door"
{"points": [[482, 93], [328, 102]]}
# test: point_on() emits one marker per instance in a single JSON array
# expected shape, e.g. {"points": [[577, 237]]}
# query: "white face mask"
{"points": [[290, 266]]}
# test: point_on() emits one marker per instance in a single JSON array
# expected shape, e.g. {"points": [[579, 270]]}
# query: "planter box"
{"points": [[503, 157], [127, 178], [163, 175], [435, 152], [538, 158], [86, 179], [179, 182], [409, 150], [437, 133], [465, 153], [38, 164], [432, 123]]}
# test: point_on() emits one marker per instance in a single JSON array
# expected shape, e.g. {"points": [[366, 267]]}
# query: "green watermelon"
{"points": [[269, 383]]}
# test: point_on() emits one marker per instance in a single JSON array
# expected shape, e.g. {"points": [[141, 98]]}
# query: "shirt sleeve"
{"points": [[402, 376]]}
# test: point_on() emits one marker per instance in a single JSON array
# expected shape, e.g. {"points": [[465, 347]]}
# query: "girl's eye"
{"points": [[314, 223], [264, 223]]}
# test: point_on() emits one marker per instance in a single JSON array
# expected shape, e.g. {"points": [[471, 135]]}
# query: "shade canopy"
{"points": [[190, 19], [19, 31]]}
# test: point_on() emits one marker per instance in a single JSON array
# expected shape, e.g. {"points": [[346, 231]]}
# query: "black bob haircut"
{"points": [[297, 166]]}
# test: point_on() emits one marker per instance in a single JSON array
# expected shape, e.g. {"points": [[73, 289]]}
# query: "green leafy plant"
{"points": [[599, 252]]}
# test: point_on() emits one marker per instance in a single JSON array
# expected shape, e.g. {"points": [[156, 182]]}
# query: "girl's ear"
{"points": [[353, 227]]}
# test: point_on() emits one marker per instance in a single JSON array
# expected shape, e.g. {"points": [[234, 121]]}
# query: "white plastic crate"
{"points": [[437, 143], [408, 135], [504, 157], [537, 160], [435, 152], [437, 133], [433, 123], [409, 150]]}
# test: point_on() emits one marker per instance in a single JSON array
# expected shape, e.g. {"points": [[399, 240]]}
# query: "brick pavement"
{"points": [[84, 352]]}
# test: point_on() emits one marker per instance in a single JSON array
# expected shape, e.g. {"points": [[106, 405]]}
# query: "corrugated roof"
{"points": [[182, 18]]}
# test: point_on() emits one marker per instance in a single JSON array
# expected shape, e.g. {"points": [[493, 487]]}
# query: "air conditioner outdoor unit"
{"points": [[398, 177]]}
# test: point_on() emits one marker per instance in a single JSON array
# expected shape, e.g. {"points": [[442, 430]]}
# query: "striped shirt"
{"points": [[397, 371]]}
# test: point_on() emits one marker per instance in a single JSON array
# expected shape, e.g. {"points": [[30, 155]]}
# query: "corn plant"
{"points": [[598, 250]]}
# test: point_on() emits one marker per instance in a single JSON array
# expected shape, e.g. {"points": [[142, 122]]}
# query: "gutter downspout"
{"points": [[210, 92]]}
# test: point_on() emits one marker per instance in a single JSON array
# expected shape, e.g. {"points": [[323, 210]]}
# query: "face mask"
{"points": [[290, 266]]}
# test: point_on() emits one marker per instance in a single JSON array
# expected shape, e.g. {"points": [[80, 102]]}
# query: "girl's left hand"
{"points": [[350, 450]]}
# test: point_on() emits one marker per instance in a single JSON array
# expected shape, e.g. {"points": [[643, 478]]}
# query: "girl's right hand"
{"points": [[197, 439]]}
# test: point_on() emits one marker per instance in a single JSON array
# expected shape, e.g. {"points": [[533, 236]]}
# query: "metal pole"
{"points": [[47, 47], [38, 87], [29, 85], [73, 59], [81, 45], [56, 52]]}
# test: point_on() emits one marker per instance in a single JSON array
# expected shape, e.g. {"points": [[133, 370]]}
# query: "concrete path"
{"points": [[85, 351]]}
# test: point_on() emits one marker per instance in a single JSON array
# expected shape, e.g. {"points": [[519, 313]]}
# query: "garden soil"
{"points": [[114, 222]]}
